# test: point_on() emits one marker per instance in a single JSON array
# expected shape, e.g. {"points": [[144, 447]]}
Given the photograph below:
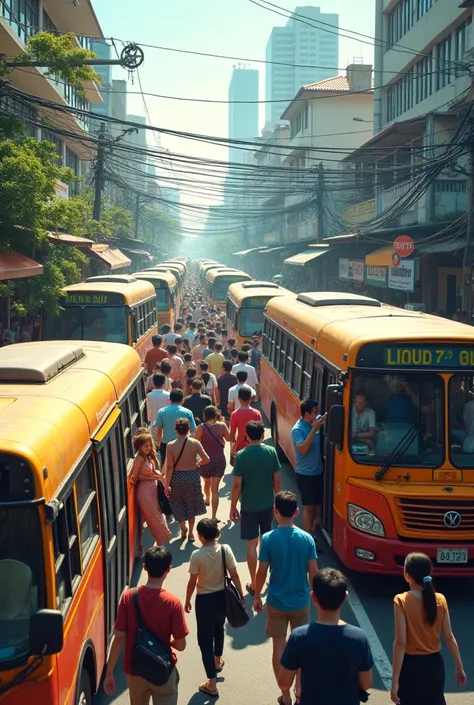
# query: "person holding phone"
{"points": [[309, 463]]}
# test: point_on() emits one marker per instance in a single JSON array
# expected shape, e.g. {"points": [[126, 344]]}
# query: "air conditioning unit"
{"points": [[469, 40]]}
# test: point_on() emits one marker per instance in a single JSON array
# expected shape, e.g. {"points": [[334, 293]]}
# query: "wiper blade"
{"points": [[403, 444]]}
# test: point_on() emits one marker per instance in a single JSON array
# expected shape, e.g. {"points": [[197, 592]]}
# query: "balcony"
{"points": [[360, 212]]}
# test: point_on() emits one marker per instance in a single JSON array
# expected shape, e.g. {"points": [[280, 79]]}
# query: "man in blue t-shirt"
{"points": [[309, 464], [166, 419], [291, 556], [334, 657]]}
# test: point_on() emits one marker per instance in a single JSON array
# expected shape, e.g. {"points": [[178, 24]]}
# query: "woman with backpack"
{"points": [[212, 433], [421, 616]]}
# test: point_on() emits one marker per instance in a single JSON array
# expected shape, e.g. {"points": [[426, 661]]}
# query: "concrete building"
{"points": [[15, 30], [309, 42], [243, 109]]}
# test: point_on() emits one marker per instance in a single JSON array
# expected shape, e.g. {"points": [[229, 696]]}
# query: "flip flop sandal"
{"points": [[219, 669], [206, 691], [184, 533], [191, 538], [280, 701]]}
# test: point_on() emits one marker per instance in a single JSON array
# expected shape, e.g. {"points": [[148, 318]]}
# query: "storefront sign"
{"points": [[402, 278], [376, 276], [351, 269], [62, 190], [404, 245]]}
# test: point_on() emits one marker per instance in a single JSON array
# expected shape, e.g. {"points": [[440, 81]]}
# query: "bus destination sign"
{"points": [[417, 356], [90, 298], [257, 301]]}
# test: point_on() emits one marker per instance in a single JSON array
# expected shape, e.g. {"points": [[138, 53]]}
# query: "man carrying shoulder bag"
{"points": [[160, 615]]}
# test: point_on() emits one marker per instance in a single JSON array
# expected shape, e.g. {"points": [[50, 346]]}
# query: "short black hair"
{"points": [[245, 393], [197, 384], [203, 365], [224, 331], [255, 430], [172, 349], [231, 342], [287, 503], [156, 340], [243, 356], [241, 376], [176, 395], [227, 365], [208, 529], [157, 561], [165, 365], [218, 346], [165, 328], [330, 588], [307, 406], [159, 379]]}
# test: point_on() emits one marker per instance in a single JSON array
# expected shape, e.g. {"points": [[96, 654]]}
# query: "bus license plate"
{"points": [[452, 555]]}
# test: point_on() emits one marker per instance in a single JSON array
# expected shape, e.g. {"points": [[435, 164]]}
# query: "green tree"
{"points": [[157, 227]]}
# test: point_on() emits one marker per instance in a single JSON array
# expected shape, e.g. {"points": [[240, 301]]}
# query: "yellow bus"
{"points": [[399, 453], [166, 294], [116, 309], [68, 411], [178, 260], [218, 282], [246, 303], [177, 271], [205, 267]]}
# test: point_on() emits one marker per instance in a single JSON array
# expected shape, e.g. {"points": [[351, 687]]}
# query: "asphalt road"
{"points": [[248, 676]]}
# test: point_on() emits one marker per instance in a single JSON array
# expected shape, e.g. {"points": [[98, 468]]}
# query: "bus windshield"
{"points": [[21, 580], [397, 416], [162, 299], [251, 321], [461, 420], [221, 287], [105, 323]]}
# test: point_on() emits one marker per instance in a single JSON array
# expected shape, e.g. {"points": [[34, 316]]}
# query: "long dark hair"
{"points": [[418, 566], [205, 378]]}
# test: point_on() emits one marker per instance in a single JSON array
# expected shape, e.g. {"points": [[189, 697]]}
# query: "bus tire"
{"points": [[84, 691], [274, 429]]}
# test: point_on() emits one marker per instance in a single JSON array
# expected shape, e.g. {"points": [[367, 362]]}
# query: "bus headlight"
{"points": [[364, 521]]}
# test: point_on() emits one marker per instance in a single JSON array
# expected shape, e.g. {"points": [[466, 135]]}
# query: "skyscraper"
{"points": [[243, 116], [306, 42]]}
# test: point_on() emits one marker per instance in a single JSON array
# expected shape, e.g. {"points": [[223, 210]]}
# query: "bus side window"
{"points": [[126, 428], [86, 497], [135, 420], [266, 339], [282, 356], [140, 390], [151, 314], [298, 369], [66, 553], [290, 348], [276, 349], [308, 364], [316, 384]]}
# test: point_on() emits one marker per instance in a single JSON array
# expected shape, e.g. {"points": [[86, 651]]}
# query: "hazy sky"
{"points": [[231, 27]]}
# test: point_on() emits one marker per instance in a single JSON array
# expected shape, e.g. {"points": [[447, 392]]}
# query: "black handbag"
{"points": [[163, 500], [235, 609], [151, 659]]}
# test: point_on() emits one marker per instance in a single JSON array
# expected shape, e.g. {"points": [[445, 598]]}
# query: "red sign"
{"points": [[396, 259], [404, 245]]}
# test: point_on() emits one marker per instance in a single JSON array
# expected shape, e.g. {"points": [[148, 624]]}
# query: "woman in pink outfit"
{"points": [[145, 475]]}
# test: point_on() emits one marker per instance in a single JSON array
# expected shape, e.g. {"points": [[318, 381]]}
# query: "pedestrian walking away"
{"points": [[166, 420], [213, 434], [164, 617], [197, 401], [309, 463], [334, 657], [233, 397], [157, 398], [225, 382], [290, 554], [256, 481], [145, 476], [421, 616], [240, 419], [155, 355], [243, 365], [183, 482], [206, 574]]}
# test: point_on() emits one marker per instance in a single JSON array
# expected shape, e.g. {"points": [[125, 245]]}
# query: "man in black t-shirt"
{"points": [[196, 402], [334, 657], [224, 382]]}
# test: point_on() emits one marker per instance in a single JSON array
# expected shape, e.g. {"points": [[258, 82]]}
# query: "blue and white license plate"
{"points": [[452, 555]]}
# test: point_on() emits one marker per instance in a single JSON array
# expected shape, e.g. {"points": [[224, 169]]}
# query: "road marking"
{"points": [[381, 660]]}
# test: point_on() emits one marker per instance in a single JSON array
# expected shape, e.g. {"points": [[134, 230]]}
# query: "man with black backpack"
{"points": [[152, 625]]}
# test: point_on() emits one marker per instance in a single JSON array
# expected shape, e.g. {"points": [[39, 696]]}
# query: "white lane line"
{"points": [[381, 660]]}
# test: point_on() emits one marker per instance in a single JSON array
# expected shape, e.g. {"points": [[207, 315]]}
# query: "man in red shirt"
{"points": [[163, 615], [240, 419], [155, 354]]}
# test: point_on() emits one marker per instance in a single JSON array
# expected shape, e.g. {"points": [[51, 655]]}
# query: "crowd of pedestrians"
{"points": [[201, 396]]}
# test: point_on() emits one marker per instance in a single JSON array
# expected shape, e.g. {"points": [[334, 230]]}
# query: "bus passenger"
{"points": [[363, 420]]}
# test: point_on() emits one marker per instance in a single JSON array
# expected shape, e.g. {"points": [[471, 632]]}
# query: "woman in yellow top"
{"points": [[421, 615]]}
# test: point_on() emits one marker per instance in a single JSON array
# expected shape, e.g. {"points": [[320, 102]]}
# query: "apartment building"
{"points": [[18, 22], [243, 110]]}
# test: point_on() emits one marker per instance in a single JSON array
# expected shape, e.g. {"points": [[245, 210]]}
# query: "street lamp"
{"points": [[359, 119]]}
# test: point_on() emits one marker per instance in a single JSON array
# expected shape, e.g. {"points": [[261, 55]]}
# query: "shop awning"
{"points": [[66, 239], [304, 257], [112, 256], [442, 247], [243, 253], [13, 265], [381, 257]]}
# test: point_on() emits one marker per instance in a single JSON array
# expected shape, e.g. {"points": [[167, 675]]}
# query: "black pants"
{"points": [[210, 617], [421, 680], [163, 453]]}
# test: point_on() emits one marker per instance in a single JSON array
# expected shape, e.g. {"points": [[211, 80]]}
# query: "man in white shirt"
{"points": [[243, 366], [363, 420], [157, 398], [233, 398]]}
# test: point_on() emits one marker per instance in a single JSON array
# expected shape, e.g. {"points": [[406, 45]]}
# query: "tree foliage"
{"points": [[157, 227]]}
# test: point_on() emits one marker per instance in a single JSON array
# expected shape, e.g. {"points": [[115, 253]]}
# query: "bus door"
{"points": [[112, 475], [328, 452]]}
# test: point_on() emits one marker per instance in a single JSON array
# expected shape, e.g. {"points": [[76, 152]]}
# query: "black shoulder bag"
{"points": [[235, 609], [151, 659]]}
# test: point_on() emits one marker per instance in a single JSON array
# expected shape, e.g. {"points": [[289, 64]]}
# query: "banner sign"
{"points": [[402, 278], [376, 276]]}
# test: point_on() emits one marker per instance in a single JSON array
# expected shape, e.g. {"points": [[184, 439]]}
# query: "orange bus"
{"points": [[218, 281], [115, 308], [408, 379], [166, 293], [178, 272], [68, 411], [246, 303], [205, 267]]}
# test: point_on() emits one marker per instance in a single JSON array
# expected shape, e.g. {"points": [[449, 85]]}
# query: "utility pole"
{"points": [[99, 172], [137, 215], [470, 224], [320, 201]]}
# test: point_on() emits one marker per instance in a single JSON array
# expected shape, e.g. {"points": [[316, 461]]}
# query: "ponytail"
{"points": [[205, 378], [418, 566]]}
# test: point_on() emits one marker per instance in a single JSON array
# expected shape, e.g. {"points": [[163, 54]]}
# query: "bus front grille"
{"points": [[437, 515]]}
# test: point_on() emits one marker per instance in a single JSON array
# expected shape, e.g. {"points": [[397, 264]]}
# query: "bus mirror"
{"points": [[46, 632], [336, 424], [333, 395]]}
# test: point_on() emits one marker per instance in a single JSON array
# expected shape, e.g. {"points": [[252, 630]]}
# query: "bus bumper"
{"points": [[387, 556]]}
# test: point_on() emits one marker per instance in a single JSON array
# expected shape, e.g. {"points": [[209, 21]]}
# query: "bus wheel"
{"points": [[276, 445], [84, 692]]}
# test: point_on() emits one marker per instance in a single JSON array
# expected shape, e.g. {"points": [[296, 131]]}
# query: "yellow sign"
{"points": [[447, 475], [87, 299]]}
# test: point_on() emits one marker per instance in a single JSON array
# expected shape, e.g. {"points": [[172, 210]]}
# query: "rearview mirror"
{"points": [[335, 432], [333, 395], [46, 632]]}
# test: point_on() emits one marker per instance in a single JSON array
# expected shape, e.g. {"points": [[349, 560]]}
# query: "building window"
{"points": [[444, 186], [22, 15], [72, 161], [461, 33], [404, 15], [48, 24], [444, 65], [51, 137]]}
